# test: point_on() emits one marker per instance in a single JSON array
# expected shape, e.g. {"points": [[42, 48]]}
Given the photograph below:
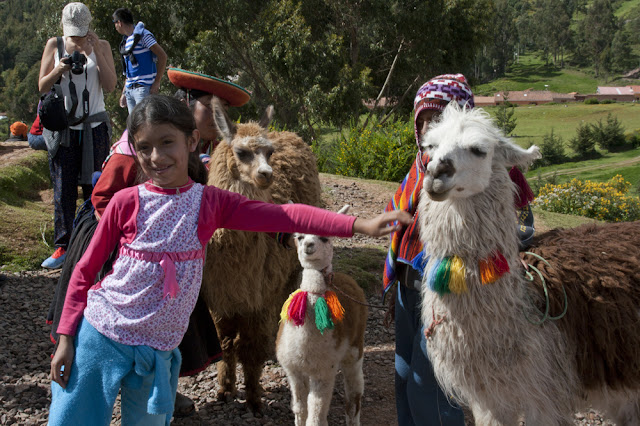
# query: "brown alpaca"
{"points": [[599, 267], [248, 275]]}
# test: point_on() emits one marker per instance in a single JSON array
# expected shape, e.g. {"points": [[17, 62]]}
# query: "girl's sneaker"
{"points": [[56, 260]]}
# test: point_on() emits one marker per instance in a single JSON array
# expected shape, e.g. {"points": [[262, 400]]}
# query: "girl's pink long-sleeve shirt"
{"points": [[119, 226]]}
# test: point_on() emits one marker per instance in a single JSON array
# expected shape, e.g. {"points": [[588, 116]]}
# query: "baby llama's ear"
{"points": [[267, 117], [513, 155], [295, 236], [344, 209], [226, 127]]}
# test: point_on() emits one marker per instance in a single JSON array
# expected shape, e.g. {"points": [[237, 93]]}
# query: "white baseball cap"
{"points": [[75, 20]]}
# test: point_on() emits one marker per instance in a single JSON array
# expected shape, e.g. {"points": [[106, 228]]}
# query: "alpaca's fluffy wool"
{"points": [[248, 275], [311, 358], [484, 350]]}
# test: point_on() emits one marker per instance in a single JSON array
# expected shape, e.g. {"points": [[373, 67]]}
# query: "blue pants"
{"points": [[100, 369], [36, 142], [65, 168], [419, 399], [135, 95]]}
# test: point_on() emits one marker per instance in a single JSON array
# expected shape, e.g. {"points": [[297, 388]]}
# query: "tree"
{"points": [[596, 32], [314, 60], [583, 143], [552, 149], [553, 28], [504, 117], [609, 135]]}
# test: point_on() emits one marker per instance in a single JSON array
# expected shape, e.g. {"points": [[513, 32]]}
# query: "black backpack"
{"points": [[53, 115]]}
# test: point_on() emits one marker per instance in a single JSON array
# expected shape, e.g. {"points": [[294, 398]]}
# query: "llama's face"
{"points": [[465, 148], [252, 155], [314, 252], [251, 147]]}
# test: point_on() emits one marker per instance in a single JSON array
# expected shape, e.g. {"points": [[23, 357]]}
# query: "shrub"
{"points": [[608, 101], [591, 101], [607, 201], [584, 143], [382, 153], [505, 119], [609, 135], [633, 138], [552, 150]]}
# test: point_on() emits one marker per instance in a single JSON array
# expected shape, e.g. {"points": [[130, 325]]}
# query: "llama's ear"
{"points": [[513, 155], [226, 127], [267, 117], [344, 209]]}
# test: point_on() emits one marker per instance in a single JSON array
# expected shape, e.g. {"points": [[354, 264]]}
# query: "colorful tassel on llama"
{"points": [[448, 275], [328, 310]]}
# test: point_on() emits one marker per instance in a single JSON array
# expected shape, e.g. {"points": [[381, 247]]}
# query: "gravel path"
{"points": [[25, 348]]}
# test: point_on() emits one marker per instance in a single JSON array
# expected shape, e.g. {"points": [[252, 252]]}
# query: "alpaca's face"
{"points": [[250, 144], [252, 155], [314, 252], [465, 148]]}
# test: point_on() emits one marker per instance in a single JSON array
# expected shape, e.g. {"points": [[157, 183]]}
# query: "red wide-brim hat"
{"points": [[230, 92]]}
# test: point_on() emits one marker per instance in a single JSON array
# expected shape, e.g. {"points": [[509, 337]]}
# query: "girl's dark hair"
{"points": [[124, 15], [162, 109]]}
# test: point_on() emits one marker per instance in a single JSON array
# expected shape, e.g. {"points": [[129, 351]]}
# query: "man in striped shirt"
{"points": [[143, 59]]}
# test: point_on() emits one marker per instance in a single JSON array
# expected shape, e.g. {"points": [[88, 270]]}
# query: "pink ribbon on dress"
{"points": [[170, 283], [167, 263]]}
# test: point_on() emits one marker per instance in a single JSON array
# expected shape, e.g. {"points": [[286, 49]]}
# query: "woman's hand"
{"points": [[92, 39], [63, 66], [62, 360], [382, 224]]}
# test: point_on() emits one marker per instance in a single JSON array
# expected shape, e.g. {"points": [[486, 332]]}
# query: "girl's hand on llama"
{"points": [[62, 360], [383, 224]]}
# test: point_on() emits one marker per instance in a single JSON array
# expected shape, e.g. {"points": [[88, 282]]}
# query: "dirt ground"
{"points": [[13, 151]]}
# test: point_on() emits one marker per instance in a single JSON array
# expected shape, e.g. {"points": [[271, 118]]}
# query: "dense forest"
{"points": [[316, 60]]}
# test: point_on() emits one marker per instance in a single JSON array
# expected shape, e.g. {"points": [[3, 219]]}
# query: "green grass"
{"points": [[545, 220], [25, 219], [535, 121], [363, 264], [532, 73], [626, 7]]}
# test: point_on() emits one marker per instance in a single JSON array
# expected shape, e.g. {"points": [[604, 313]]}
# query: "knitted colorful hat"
{"points": [[189, 80], [438, 92]]}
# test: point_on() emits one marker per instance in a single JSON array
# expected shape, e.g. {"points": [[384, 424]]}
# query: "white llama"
{"points": [[320, 333], [477, 304]]}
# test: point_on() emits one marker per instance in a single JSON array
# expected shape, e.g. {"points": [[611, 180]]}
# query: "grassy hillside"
{"points": [[535, 121], [532, 73]]}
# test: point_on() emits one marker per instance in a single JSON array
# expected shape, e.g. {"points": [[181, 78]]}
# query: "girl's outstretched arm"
{"points": [[63, 358], [383, 224]]}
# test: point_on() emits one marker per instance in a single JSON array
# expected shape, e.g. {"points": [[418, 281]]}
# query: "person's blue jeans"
{"points": [[36, 142], [419, 399], [135, 95]]}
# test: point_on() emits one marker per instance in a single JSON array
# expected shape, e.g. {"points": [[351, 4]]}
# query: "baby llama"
{"points": [[321, 331], [501, 344]]}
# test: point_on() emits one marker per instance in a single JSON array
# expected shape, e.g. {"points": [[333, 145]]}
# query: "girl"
{"points": [[123, 332]]}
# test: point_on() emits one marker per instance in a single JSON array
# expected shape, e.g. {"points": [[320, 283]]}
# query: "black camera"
{"points": [[77, 61]]}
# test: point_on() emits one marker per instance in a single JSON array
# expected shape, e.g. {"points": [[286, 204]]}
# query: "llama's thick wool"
{"points": [[248, 275], [484, 348], [599, 268]]}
